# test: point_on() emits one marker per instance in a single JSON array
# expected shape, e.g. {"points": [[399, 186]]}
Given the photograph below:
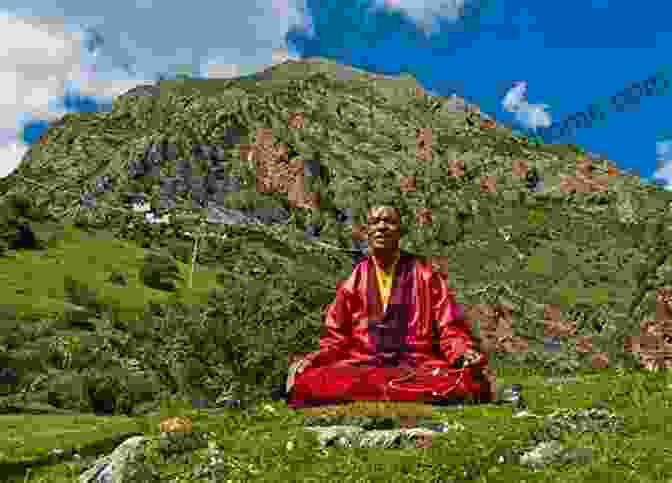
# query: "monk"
{"points": [[377, 344]]}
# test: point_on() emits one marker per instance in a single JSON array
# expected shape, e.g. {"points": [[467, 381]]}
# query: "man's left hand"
{"points": [[471, 357]]}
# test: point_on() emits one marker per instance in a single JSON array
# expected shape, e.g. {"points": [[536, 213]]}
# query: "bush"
{"points": [[16, 211], [68, 391], [79, 293], [119, 390], [118, 278], [160, 271], [18, 206]]}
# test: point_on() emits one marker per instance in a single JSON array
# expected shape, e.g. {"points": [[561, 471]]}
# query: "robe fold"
{"points": [[372, 352]]}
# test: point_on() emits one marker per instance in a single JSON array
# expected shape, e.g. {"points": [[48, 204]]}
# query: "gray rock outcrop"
{"points": [[142, 91]]}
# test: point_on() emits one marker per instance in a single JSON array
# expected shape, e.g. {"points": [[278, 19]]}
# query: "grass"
{"points": [[254, 441], [90, 257], [269, 300]]}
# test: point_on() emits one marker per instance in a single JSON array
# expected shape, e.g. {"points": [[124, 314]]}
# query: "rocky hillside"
{"points": [[278, 168]]}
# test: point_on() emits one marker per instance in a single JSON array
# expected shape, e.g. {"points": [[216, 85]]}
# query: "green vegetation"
{"points": [[267, 442], [110, 309]]}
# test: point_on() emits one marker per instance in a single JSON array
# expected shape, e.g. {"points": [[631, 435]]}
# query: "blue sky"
{"points": [[568, 55]]}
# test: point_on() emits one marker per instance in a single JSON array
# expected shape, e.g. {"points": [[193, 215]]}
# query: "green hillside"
{"points": [[223, 322]]}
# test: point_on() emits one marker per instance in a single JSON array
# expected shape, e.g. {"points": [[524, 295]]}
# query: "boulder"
{"points": [[24, 238], [125, 464], [178, 443], [228, 216], [142, 91]]}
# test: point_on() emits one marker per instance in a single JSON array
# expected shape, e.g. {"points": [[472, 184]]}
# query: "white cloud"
{"points": [[664, 162], [216, 70], [9, 154], [43, 57], [515, 97], [280, 55], [220, 69], [40, 58], [532, 116], [664, 151], [426, 13]]}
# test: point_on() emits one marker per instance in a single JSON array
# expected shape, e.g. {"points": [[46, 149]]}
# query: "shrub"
{"points": [[18, 206], [160, 271], [118, 278], [79, 293], [120, 390], [68, 391]]}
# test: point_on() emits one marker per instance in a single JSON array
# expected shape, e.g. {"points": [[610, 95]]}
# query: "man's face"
{"points": [[384, 228]]}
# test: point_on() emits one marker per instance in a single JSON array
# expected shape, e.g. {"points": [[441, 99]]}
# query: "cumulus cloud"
{"points": [[220, 69], [426, 13], [40, 62], [532, 116], [44, 58], [664, 163]]}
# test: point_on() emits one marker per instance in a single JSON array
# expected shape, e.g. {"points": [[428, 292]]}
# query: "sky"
{"points": [[528, 64]]}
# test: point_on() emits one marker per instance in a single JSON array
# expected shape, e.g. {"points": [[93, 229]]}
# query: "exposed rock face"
{"points": [[207, 191], [142, 91]]}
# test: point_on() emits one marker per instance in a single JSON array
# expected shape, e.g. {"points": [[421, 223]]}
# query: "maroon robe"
{"points": [[367, 353]]}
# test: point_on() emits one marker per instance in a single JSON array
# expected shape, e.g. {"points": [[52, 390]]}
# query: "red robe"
{"points": [[367, 353]]}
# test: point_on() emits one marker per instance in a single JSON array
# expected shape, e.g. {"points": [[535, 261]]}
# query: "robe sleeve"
{"points": [[337, 335], [454, 331]]}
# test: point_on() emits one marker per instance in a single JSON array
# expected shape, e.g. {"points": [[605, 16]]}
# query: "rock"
{"points": [[167, 203], [228, 216], [142, 91], [233, 135], [354, 436], [202, 151], [582, 420], [344, 215], [562, 380], [135, 168], [542, 454], [455, 104], [313, 167], [269, 216], [339, 436], [177, 443], [134, 198], [183, 171], [128, 464], [552, 344], [125, 464], [313, 231], [533, 180], [8, 376], [149, 164], [198, 192], [87, 200], [104, 184], [24, 238], [550, 452], [217, 188], [155, 153]]}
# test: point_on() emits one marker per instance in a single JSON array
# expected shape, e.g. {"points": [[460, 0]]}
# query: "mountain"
{"points": [[275, 171]]}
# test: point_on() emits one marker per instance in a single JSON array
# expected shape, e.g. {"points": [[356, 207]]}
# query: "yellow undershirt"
{"points": [[385, 279]]}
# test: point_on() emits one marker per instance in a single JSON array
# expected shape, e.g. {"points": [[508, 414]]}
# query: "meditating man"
{"points": [[377, 343]]}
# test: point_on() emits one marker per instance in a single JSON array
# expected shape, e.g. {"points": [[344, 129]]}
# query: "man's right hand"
{"points": [[302, 364]]}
